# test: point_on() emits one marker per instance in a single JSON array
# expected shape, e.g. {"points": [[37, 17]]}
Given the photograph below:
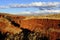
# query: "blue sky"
{"points": [[18, 10]]}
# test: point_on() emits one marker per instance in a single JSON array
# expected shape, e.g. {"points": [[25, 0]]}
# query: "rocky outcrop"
{"points": [[48, 26]]}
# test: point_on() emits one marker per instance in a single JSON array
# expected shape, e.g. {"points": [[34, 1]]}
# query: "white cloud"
{"points": [[34, 4], [4, 7], [39, 12], [18, 5], [36, 12], [50, 11], [45, 7]]}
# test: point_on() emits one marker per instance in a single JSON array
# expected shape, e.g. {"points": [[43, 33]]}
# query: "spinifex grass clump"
{"points": [[20, 36]]}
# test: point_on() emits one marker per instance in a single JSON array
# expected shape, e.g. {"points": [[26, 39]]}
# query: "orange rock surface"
{"points": [[47, 26]]}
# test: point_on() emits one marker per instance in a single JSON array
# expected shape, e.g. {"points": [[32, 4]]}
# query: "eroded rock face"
{"points": [[32, 24], [50, 28], [45, 26], [8, 25]]}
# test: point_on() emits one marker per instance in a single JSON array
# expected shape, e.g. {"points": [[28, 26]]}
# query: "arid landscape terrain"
{"points": [[41, 27]]}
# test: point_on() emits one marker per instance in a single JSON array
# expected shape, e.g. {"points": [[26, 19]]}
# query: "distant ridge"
{"points": [[40, 16]]}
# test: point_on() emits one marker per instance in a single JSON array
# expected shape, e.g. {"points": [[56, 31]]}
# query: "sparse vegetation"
{"points": [[41, 25], [20, 36]]}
